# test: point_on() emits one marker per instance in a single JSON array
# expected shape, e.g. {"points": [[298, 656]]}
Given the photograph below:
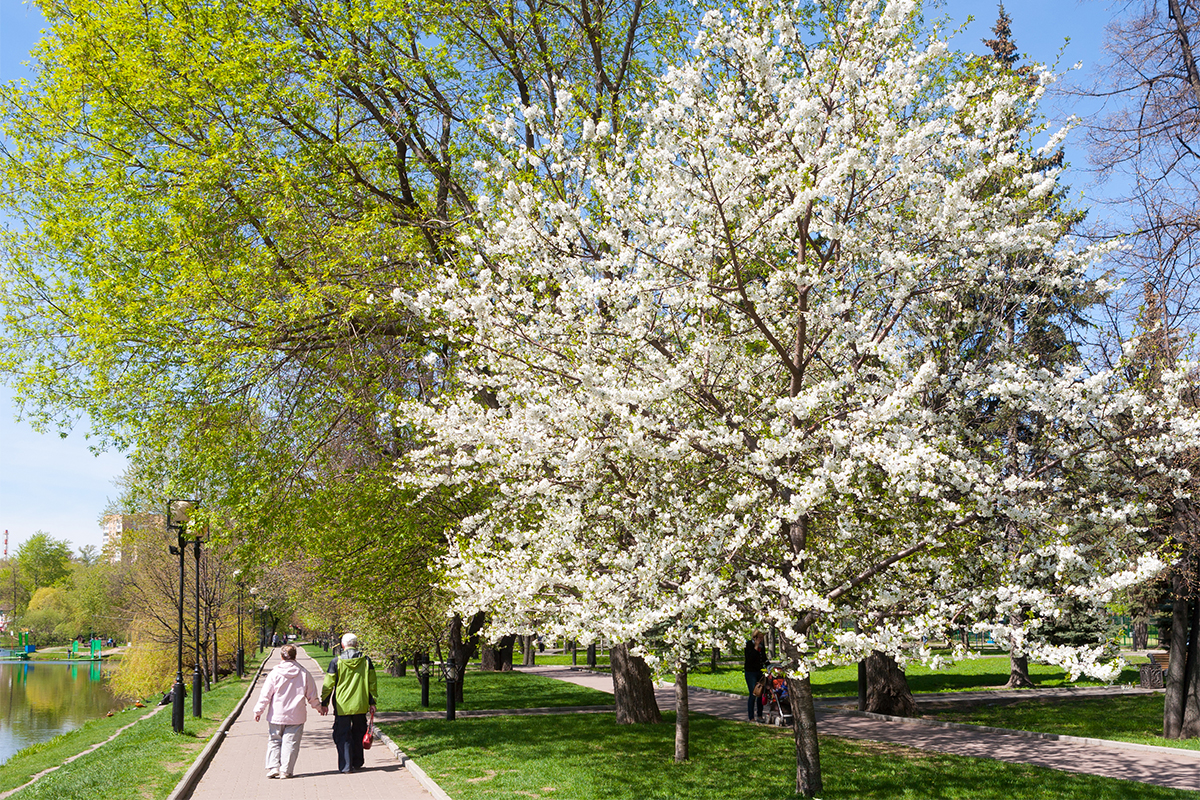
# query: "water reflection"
{"points": [[38, 701]]}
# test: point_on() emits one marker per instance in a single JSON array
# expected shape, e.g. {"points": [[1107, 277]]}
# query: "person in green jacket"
{"points": [[351, 684]]}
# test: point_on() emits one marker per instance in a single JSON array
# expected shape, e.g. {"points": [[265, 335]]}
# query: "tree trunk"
{"points": [[862, 685], [887, 687], [527, 651], [1190, 728], [804, 730], [463, 644], [499, 657], [1141, 634], [633, 688], [1018, 672], [681, 714], [1176, 686]]}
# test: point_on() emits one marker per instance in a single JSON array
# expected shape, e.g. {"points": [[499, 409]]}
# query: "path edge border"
{"points": [[187, 783]]}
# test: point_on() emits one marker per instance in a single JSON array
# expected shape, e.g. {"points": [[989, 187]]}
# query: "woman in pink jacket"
{"points": [[287, 688]]}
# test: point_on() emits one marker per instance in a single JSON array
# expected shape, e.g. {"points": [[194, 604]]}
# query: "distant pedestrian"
{"points": [[288, 687], [754, 658], [351, 685]]}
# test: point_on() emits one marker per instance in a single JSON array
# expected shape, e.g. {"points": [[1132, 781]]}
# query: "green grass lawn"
{"points": [[151, 756], [1129, 718], [589, 757], [481, 690], [975, 673]]}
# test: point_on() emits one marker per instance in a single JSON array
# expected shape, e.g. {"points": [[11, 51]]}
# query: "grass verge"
{"points": [[975, 673], [481, 690], [151, 756], [589, 757], [1128, 718], [564, 660]]}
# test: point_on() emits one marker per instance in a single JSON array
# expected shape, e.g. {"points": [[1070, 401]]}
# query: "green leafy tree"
{"points": [[13, 596], [43, 561], [97, 600], [49, 616], [215, 201]]}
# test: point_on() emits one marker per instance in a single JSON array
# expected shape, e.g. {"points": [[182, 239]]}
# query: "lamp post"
{"points": [[451, 674], [180, 528], [240, 662], [255, 609], [197, 677]]}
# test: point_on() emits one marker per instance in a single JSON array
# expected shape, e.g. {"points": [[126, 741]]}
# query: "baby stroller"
{"points": [[777, 702]]}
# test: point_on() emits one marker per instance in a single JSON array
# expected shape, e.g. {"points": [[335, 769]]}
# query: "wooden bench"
{"points": [[1153, 675]]}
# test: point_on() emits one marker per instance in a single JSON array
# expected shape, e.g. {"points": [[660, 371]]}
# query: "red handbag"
{"points": [[367, 736]]}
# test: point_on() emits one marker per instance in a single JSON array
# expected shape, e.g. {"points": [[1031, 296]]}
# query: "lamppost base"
{"points": [[177, 693], [197, 687], [241, 662]]}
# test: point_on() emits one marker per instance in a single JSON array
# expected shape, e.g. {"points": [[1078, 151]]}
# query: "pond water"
{"points": [[40, 700]]}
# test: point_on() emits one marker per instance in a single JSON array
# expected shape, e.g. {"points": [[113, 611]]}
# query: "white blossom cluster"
{"points": [[733, 352]]}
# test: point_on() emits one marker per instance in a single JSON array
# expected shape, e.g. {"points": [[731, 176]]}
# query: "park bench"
{"points": [[1153, 675]]}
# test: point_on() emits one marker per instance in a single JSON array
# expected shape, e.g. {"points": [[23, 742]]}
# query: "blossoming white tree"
{"points": [[728, 362]]}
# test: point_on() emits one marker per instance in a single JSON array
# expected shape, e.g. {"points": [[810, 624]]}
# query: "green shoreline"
{"points": [[153, 757]]}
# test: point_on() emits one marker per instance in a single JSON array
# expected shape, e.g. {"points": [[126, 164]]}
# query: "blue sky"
{"points": [[47, 483], [57, 485]]}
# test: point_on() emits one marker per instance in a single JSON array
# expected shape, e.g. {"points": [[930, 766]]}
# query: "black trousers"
{"points": [[348, 730]]}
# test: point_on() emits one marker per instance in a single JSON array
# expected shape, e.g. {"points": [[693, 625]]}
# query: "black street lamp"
{"points": [[450, 672], [180, 528], [240, 663], [197, 677], [256, 610], [423, 677]]}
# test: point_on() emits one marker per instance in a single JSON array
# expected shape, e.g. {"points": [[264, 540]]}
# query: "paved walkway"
{"points": [[237, 771], [993, 697], [1162, 766]]}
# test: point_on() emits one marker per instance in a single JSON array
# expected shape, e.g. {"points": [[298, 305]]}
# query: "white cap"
{"points": [[349, 640]]}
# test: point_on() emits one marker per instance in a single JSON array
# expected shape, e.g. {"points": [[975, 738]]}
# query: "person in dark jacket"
{"points": [[755, 659], [351, 684]]}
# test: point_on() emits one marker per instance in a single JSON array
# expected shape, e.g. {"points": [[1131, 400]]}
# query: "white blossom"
{"points": [[725, 389]]}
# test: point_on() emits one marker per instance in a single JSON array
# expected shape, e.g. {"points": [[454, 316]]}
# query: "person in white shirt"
{"points": [[287, 688]]}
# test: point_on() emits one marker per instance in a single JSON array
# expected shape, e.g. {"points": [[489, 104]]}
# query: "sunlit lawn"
{"points": [[842, 681]]}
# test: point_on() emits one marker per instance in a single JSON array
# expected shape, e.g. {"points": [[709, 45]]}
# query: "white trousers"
{"points": [[283, 745]]}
